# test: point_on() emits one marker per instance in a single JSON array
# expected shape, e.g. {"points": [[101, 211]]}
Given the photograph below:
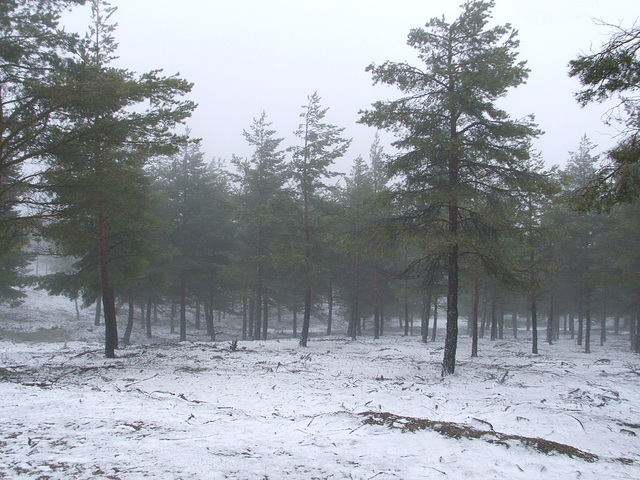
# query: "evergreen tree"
{"points": [[191, 203], [535, 235], [612, 73], [98, 184], [33, 94], [320, 145], [580, 243], [456, 144], [262, 206], [357, 215]]}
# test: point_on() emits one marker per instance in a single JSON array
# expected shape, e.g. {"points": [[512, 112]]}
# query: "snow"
{"points": [[272, 410]]}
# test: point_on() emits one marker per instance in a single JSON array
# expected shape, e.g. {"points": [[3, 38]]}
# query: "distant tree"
{"points": [[97, 181], [612, 73], [261, 207], [320, 145], [191, 204], [535, 236], [357, 215], [579, 242], [380, 209], [456, 144]]}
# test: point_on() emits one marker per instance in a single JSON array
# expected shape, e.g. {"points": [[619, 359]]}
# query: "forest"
{"points": [[457, 221]]}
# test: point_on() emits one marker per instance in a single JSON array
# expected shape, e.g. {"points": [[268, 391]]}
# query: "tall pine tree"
{"points": [[320, 145], [455, 143], [97, 181]]}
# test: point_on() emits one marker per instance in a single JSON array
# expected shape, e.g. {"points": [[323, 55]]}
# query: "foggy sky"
{"points": [[246, 56]]}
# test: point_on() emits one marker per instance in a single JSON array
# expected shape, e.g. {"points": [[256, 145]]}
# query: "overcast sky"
{"points": [[246, 56]]}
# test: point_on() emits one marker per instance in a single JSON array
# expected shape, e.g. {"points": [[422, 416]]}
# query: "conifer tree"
{"points": [[612, 74], [455, 143], [191, 204], [320, 145], [579, 244], [33, 93], [97, 181], [262, 199]]}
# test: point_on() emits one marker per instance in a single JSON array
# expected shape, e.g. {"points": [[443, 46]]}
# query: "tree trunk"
{"points": [[580, 318], [501, 318], [244, 313], [172, 318], [603, 323], [474, 309], [572, 325], [587, 302], [514, 322], [426, 313], [294, 327], [451, 339], [258, 307], [587, 329], [406, 308], [435, 319], [197, 320], [534, 326], [148, 319], [210, 325], [376, 300], [550, 326], [265, 323], [96, 320], [494, 317], [252, 314], [183, 309], [637, 330], [108, 298], [127, 332], [330, 300], [355, 312], [306, 320]]}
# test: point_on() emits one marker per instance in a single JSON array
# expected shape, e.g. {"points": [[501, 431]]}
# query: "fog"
{"points": [[247, 56]]}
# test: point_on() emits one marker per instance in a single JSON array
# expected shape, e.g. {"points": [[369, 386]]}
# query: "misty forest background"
{"points": [[107, 199]]}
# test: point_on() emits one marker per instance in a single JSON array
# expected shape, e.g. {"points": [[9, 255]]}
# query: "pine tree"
{"points": [[579, 244], [321, 144], [456, 143], [262, 198], [33, 94], [97, 181], [612, 73]]}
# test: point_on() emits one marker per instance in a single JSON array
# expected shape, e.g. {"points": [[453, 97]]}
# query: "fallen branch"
{"points": [[485, 422], [141, 380], [458, 431], [87, 352]]}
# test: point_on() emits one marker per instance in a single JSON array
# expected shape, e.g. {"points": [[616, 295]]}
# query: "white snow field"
{"points": [[339, 409]]}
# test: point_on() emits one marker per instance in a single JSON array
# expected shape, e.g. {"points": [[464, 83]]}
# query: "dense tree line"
{"points": [[458, 214]]}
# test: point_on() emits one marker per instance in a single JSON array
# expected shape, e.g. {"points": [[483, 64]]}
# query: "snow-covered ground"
{"points": [[271, 410]]}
